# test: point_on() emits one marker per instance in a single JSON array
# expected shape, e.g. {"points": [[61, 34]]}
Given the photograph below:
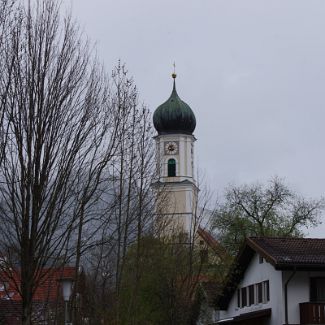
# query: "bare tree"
{"points": [[59, 131], [124, 210], [8, 11], [9, 17], [6, 15]]}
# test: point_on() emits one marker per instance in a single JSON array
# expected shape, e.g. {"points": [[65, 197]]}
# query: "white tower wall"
{"points": [[177, 203]]}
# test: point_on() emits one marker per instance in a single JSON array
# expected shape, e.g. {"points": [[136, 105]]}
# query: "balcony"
{"points": [[312, 313]]}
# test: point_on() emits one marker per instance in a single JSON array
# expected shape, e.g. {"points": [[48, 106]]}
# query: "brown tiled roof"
{"points": [[289, 252]]}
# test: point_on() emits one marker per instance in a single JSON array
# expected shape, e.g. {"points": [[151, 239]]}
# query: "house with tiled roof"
{"points": [[275, 281], [210, 249], [47, 298]]}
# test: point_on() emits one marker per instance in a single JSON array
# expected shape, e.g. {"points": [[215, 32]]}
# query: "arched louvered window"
{"points": [[171, 167]]}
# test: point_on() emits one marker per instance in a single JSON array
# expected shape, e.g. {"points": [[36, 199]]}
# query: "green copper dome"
{"points": [[174, 116]]}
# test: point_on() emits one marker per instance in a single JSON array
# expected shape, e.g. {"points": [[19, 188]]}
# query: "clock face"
{"points": [[171, 148]]}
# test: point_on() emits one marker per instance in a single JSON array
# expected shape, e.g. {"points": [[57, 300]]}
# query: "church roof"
{"points": [[212, 242], [174, 115]]}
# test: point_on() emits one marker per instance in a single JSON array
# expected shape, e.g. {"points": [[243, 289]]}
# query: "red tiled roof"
{"points": [[48, 288]]}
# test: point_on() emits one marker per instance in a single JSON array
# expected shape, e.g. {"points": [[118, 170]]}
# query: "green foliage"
{"points": [[159, 284], [263, 210]]}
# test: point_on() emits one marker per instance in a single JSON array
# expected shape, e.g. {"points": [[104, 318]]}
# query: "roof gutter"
{"points": [[286, 296]]}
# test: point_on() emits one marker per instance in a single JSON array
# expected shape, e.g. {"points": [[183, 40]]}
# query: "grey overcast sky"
{"points": [[253, 72]]}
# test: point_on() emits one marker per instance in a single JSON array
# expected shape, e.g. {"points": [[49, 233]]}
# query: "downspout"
{"points": [[286, 296]]}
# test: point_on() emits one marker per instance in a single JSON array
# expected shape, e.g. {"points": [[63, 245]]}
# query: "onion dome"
{"points": [[174, 115]]}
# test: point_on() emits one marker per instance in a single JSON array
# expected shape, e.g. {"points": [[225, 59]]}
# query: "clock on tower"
{"points": [[171, 148]]}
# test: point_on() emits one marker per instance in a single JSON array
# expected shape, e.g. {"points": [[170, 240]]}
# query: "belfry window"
{"points": [[171, 167]]}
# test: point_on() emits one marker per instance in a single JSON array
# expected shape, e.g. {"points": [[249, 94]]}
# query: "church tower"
{"points": [[177, 191]]}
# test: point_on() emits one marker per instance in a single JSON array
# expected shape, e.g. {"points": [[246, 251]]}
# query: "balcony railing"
{"points": [[312, 313]]}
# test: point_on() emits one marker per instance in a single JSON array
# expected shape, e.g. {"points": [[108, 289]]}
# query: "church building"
{"points": [[176, 187]]}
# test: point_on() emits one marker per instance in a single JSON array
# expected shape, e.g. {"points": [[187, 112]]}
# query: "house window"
{"points": [[260, 259], [317, 289], [266, 291], [243, 297], [251, 295], [259, 293], [171, 167]]}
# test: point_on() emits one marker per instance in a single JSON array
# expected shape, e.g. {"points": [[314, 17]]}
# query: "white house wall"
{"points": [[298, 292], [256, 273]]}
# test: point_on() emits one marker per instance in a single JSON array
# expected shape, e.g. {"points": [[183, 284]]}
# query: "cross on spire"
{"points": [[174, 75]]}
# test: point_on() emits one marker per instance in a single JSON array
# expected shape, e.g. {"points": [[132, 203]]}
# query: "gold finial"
{"points": [[174, 75]]}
